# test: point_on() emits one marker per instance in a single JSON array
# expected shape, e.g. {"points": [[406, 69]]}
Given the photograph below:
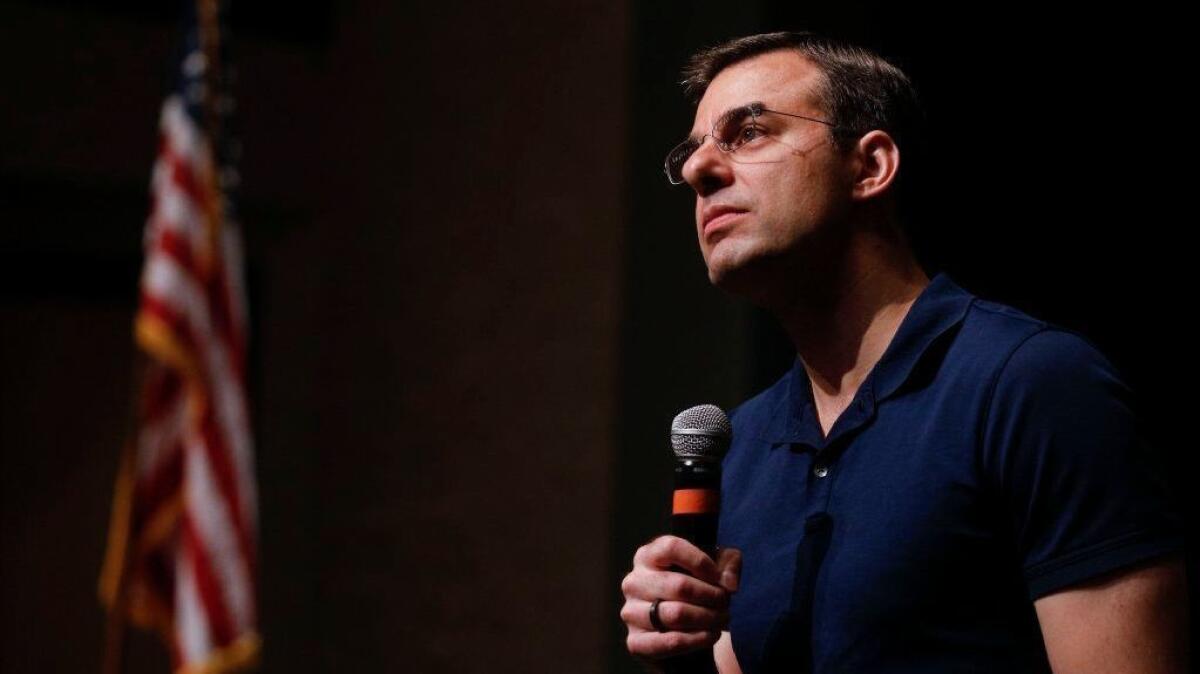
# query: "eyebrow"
{"points": [[736, 113]]}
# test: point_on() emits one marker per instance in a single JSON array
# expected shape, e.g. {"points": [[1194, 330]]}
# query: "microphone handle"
{"points": [[694, 516]]}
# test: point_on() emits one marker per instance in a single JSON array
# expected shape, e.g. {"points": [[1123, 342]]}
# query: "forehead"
{"points": [[783, 80]]}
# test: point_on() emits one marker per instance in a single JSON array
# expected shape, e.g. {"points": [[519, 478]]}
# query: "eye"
{"points": [[748, 133]]}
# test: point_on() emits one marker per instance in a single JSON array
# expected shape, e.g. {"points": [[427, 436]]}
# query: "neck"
{"points": [[842, 323]]}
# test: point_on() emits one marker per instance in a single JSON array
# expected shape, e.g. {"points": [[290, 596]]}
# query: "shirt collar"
{"points": [[941, 306]]}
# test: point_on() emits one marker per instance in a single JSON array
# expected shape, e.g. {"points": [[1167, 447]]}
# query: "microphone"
{"points": [[700, 437]]}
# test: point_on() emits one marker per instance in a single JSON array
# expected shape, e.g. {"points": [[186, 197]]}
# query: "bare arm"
{"points": [[1133, 621]]}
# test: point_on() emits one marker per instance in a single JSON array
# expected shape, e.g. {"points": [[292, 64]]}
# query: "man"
{"points": [[940, 484]]}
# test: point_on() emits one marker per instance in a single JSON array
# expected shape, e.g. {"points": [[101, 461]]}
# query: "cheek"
{"points": [[803, 195]]}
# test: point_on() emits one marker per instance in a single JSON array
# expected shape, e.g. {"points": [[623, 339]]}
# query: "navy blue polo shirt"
{"points": [[987, 460]]}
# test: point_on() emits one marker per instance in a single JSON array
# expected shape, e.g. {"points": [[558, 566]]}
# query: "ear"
{"points": [[878, 160]]}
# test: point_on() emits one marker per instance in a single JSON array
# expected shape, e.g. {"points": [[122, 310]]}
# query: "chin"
{"points": [[735, 279], [730, 259], [747, 276]]}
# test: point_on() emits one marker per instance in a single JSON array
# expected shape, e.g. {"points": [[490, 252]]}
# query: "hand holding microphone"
{"points": [[677, 595]]}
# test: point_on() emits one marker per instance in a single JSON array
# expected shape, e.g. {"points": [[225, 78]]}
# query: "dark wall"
{"points": [[434, 200]]}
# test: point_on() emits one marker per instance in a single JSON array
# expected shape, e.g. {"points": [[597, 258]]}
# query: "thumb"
{"points": [[729, 566]]}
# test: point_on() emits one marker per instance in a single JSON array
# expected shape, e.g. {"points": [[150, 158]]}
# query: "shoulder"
{"points": [[1057, 366], [1015, 352], [1055, 392], [995, 329]]}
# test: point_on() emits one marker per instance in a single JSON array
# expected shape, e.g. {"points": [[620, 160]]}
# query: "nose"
{"points": [[708, 169]]}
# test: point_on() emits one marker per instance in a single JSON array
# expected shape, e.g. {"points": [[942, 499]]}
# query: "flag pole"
{"points": [[117, 619], [114, 576], [209, 28]]}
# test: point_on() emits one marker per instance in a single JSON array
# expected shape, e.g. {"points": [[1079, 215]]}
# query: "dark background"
{"points": [[476, 304]]}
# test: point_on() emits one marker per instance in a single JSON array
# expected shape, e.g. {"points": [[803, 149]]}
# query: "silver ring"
{"points": [[654, 619]]}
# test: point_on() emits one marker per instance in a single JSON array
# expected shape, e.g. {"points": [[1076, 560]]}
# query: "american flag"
{"points": [[181, 556]]}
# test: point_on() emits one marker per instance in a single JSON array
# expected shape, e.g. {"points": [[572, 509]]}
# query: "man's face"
{"points": [[757, 215]]}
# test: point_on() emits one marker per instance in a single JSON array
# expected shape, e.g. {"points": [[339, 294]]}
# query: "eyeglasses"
{"points": [[736, 129]]}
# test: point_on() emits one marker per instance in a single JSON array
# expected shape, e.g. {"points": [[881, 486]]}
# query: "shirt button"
{"points": [[821, 471]]}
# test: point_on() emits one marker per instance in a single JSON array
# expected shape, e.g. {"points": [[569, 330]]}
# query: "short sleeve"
{"points": [[1084, 495]]}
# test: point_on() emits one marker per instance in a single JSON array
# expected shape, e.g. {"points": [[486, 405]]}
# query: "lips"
{"points": [[716, 217]]}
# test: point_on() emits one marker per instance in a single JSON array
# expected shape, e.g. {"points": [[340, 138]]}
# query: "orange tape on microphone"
{"points": [[696, 501]]}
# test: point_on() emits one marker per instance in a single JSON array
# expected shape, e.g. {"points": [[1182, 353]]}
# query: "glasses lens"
{"points": [[676, 158], [729, 129], [726, 132]]}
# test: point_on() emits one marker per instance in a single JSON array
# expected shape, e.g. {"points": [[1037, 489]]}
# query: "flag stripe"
{"points": [[193, 634], [207, 583], [213, 521], [174, 245], [229, 448], [231, 434], [181, 227], [175, 210], [219, 461]]}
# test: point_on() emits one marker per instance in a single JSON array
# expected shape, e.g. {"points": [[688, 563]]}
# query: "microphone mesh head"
{"points": [[701, 432]]}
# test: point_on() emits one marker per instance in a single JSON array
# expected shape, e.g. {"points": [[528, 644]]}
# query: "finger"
{"points": [[647, 585], [667, 551], [674, 615], [674, 586], [729, 566], [655, 646]]}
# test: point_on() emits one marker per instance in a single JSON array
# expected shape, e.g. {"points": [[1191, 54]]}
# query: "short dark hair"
{"points": [[861, 91]]}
